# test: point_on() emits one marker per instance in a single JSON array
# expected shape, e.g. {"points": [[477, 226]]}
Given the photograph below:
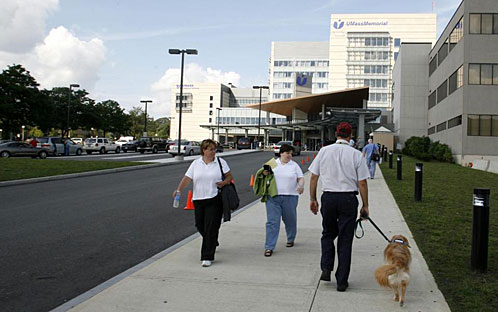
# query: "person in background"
{"points": [[34, 142], [368, 151], [342, 171], [205, 173], [290, 184]]}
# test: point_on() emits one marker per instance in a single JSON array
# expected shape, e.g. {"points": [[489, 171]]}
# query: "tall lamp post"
{"points": [[71, 86], [259, 114], [182, 52], [22, 133], [219, 109], [145, 124]]}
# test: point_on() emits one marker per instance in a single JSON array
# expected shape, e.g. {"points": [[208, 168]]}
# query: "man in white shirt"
{"points": [[343, 171]]}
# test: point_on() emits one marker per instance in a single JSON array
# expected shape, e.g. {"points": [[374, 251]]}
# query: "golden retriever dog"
{"points": [[395, 274]]}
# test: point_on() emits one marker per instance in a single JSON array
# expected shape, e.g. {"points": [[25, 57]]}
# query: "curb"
{"points": [[100, 172]]}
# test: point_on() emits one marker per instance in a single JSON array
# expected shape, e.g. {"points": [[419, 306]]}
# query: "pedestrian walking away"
{"points": [[371, 153], [343, 172], [289, 180], [205, 174]]}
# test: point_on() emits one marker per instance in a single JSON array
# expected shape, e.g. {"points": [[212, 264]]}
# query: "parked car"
{"points": [[297, 148], [243, 143], [10, 149], [188, 148], [123, 140], [152, 144], [101, 145], [77, 140], [55, 145], [131, 146], [5, 141]]}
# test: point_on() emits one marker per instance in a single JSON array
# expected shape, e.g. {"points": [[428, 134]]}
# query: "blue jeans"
{"points": [[371, 167], [280, 207]]}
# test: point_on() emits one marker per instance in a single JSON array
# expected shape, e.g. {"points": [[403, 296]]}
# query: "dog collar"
{"points": [[400, 241]]}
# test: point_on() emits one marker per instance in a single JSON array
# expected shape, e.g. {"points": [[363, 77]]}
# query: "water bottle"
{"points": [[176, 201]]}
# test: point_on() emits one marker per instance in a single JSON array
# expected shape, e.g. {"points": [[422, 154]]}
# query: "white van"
{"points": [[123, 140]]}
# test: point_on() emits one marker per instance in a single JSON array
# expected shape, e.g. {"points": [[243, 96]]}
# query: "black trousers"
{"points": [[339, 211], [208, 214]]}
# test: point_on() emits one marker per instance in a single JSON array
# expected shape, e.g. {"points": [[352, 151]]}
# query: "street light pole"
{"points": [[22, 133], [71, 86], [145, 124], [182, 52], [219, 109], [259, 114]]}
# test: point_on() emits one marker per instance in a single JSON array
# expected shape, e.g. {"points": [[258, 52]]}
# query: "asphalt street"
{"points": [[62, 238]]}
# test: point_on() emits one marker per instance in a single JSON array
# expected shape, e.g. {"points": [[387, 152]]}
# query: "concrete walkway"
{"points": [[242, 279]]}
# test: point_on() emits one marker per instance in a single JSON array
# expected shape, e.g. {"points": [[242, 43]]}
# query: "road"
{"points": [[62, 238]]}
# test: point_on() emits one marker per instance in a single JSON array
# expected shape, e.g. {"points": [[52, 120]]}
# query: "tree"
{"points": [[163, 125], [19, 95], [137, 121], [111, 118]]}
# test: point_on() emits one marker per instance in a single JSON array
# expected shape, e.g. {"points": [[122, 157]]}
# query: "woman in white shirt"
{"points": [[290, 183], [205, 173]]}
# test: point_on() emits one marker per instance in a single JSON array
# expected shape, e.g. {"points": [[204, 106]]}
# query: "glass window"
{"points": [[486, 74], [385, 55], [495, 74], [456, 34], [441, 126], [442, 91], [442, 53], [473, 125], [487, 23], [474, 74], [460, 77], [494, 126], [379, 41], [453, 122], [475, 23], [431, 130], [432, 99], [433, 65], [495, 23], [397, 42], [396, 55], [367, 69], [385, 42], [452, 83], [485, 125]]}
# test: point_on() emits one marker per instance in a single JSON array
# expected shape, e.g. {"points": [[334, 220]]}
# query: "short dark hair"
{"points": [[285, 148]]}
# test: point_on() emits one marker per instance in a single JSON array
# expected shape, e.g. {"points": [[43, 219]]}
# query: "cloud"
{"points": [[63, 59], [193, 73], [22, 23]]}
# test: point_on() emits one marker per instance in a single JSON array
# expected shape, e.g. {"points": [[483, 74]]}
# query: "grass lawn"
{"points": [[25, 168], [442, 226]]}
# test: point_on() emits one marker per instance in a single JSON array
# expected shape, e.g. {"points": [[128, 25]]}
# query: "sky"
{"points": [[118, 49]]}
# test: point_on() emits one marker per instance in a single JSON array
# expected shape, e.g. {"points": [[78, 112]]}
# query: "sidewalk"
{"points": [[242, 279]]}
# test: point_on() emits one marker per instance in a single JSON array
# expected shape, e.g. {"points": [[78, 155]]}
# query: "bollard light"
{"points": [[399, 163], [390, 159], [480, 230], [418, 181]]}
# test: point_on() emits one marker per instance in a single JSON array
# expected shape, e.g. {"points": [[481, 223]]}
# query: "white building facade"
{"points": [[364, 47]]}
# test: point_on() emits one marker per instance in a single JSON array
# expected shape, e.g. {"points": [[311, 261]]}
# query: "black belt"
{"points": [[343, 193]]}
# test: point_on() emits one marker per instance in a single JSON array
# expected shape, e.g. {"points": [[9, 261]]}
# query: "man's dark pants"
{"points": [[208, 213], [339, 211]]}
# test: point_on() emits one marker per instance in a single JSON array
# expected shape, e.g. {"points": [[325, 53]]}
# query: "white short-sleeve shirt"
{"points": [[340, 167], [205, 176], [286, 176]]}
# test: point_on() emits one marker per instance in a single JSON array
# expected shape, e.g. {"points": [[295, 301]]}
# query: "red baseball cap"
{"points": [[344, 129]]}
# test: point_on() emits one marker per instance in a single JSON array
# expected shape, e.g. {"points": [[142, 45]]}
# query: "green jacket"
{"points": [[264, 185]]}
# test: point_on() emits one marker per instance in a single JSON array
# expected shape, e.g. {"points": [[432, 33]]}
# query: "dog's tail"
{"points": [[383, 272]]}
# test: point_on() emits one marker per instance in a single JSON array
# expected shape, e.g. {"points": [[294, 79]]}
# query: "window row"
{"points": [[247, 120], [367, 69], [377, 97], [288, 85], [277, 96], [453, 122], [301, 63], [483, 74], [483, 23], [376, 55], [449, 86], [482, 125], [279, 74], [455, 36], [375, 83], [369, 42]]}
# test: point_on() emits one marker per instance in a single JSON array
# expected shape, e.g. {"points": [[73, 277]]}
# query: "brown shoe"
{"points": [[268, 252]]}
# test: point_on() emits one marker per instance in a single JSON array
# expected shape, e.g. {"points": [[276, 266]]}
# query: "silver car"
{"points": [[55, 146], [10, 149], [297, 148], [187, 148]]}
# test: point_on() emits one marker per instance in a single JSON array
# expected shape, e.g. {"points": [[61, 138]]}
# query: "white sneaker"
{"points": [[206, 263]]}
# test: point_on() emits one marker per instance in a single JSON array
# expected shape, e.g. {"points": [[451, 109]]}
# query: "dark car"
{"points": [[244, 143], [21, 149], [131, 146], [152, 144], [219, 148]]}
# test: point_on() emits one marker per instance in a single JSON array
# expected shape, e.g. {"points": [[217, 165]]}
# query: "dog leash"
{"points": [[358, 223]]}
